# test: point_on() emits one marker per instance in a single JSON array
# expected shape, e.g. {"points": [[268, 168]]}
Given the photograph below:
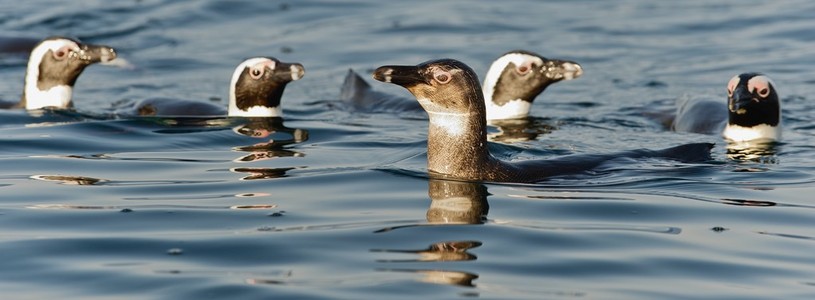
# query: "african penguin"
{"points": [[753, 111], [255, 90], [517, 77], [53, 68], [512, 83], [448, 91]]}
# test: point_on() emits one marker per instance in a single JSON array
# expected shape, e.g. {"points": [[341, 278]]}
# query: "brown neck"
{"points": [[457, 145]]}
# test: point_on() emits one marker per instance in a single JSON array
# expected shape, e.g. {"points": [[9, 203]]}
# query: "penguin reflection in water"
{"points": [[451, 202], [267, 128], [53, 68], [510, 86], [457, 136]]}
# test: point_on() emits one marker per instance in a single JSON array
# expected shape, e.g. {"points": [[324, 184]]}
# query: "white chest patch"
{"points": [[256, 111], [741, 134], [511, 110], [57, 96], [453, 124]]}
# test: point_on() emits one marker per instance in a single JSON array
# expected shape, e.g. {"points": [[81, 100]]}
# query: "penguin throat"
{"points": [[512, 109], [452, 124], [738, 133], [256, 111], [58, 96], [457, 145]]}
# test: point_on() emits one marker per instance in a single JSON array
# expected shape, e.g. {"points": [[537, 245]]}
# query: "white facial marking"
{"points": [[731, 85], [761, 85], [58, 96], [498, 67], [741, 134], [511, 110]]}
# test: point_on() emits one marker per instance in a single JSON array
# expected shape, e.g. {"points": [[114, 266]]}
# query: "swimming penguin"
{"points": [[753, 111], [512, 83], [457, 136], [255, 91], [53, 67]]}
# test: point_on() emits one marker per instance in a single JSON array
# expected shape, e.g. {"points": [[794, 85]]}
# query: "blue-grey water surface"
{"points": [[94, 207]]}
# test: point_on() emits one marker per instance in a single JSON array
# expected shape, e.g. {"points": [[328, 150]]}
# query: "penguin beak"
{"points": [[405, 76], [95, 53], [739, 100], [562, 70], [296, 71]]}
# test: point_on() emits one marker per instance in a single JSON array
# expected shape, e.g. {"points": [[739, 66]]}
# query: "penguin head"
{"points": [[53, 68], [444, 86], [752, 100], [753, 108], [517, 77], [257, 86]]}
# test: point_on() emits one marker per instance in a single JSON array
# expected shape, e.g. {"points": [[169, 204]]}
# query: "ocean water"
{"points": [[336, 204]]}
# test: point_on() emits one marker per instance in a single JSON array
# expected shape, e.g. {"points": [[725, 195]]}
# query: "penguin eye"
{"points": [[442, 77], [729, 92], [256, 73], [523, 69], [61, 53], [760, 85]]}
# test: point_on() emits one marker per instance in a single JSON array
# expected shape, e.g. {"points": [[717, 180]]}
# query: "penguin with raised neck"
{"points": [[512, 83], [53, 68], [449, 92], [515, 79], [255, 90], [752, 111]]}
